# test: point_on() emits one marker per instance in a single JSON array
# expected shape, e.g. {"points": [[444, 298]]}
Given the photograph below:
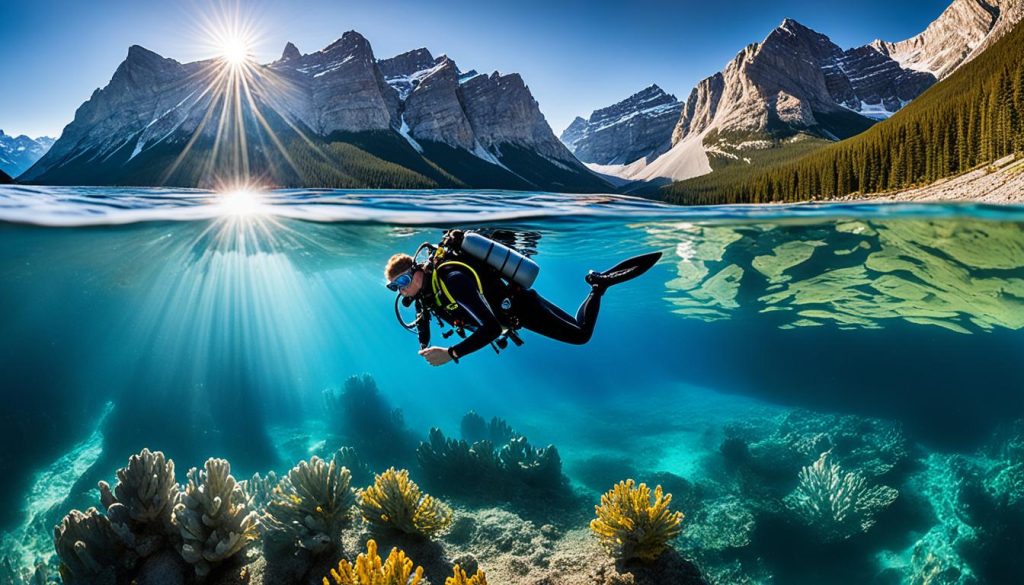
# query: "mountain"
{"points": [[4, 178], [18, 153], [962, 31], [638, 127], [334, 118], [797, 90], [971, 119]]}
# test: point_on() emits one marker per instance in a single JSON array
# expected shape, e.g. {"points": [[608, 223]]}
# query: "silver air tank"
{"points": [[509, 263]]}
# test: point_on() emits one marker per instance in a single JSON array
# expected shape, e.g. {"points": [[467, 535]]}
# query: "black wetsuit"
{"points": [[502, 306]]}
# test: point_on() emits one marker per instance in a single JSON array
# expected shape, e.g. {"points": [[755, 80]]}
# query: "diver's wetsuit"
{"points": [[487, 314]]}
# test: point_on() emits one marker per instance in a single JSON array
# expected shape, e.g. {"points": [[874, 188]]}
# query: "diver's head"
{"points": [[404, 275]]}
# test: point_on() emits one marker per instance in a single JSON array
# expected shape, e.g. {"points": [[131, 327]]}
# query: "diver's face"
{"points": [[414, 287]]}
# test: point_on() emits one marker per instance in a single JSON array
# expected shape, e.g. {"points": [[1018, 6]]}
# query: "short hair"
{"points": [[398, 264]]}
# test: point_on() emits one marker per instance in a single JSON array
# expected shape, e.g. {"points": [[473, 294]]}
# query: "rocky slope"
{"points": [[18, 153], [798, 81], [639, 126], [962, 31], [336, 117]]}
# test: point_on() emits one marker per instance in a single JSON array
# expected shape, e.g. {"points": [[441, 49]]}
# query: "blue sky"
{"points": [[575, 56]]}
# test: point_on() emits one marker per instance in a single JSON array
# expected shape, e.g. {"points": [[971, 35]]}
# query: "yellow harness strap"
{"points": [[437, 283]]}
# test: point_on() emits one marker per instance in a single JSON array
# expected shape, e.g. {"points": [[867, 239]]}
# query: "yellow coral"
{"points": [[396, 501], [459, 577], [370, 570], [630, 526]]}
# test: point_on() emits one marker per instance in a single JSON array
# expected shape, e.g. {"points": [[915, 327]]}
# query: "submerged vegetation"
{"points": [[812, 477], [369, 569], [394, 501], [632, 523]]}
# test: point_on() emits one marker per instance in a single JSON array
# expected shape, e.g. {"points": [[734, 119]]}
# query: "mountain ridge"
{"points": [[797, 81], [449, 128]]}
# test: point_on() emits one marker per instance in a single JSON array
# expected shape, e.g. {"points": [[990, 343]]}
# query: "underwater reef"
{"points": [[793, 497]]}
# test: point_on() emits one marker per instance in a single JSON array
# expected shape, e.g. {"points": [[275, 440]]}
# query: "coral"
{"points": [[778, 448], [310, 506], [459, 577], [88, 546], [632, 526], [473, 427], [837, 505], [258, 490], [396, 501], [368, 423], [141, 505], [349, 458], [370, 570], [441, 458], [482, 469], [534, 467], [213, 516]]}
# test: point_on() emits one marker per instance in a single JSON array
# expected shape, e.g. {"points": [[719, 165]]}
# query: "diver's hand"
{"points": [[436, 356]]}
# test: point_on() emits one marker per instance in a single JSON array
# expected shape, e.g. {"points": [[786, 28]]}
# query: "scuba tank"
{"points": [[506, 261]]}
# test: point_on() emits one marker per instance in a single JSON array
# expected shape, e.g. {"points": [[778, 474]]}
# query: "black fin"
{"points": [[625, 270]]}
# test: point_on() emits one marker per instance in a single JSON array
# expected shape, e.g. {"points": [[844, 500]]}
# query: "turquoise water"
{"points": [[180, 322]]}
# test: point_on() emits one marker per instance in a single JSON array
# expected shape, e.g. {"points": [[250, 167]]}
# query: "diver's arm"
{"points": [[462, 287], [422, 325]]}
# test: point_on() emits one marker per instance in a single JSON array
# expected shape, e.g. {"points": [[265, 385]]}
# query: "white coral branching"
{"points": [[836, 504], [141, 505], [214, 516], [87, 545]]}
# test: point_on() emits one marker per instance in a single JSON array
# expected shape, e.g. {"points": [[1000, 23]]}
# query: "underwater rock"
{"points": [[835, 504], [779, 447], [720, 524], [213, 516], [163, 568], [141, 505], [310, 507], [395, 501], [11, 576], [368, 423], [633, 523], [89, 548]]}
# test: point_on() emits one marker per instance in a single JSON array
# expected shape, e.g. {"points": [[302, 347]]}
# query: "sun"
{"points": [[241, 201], [235, 50]]}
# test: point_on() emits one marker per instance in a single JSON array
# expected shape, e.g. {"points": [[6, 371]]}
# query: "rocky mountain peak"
{"points": [[350, 43], [140, 54], [407, 63], [964, 29], [639, 126], [290, 52]]}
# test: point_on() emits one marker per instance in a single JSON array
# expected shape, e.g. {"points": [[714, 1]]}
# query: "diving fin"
{"points": [[623, 271]]}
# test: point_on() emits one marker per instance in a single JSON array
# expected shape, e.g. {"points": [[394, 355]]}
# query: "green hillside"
{"points": [[972, 118]]}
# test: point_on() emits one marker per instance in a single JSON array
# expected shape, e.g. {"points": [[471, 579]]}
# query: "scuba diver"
{"points": [[472, 283]]}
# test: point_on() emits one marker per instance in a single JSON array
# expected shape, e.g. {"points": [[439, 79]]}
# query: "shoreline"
{"points": [[999, 183]]}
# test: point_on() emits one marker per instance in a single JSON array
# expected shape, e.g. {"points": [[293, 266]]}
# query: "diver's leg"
{"points": [[542, 316]]}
